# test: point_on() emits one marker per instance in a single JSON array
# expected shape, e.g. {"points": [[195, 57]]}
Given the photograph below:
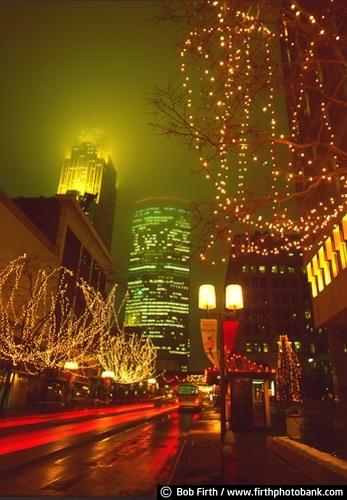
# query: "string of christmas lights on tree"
{"points": [[39, 326], [127, 357], [45, 325], [288, 373], [267, 177]]}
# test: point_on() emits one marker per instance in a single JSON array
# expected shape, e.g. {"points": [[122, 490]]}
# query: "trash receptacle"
{"points": [[295, 422]]}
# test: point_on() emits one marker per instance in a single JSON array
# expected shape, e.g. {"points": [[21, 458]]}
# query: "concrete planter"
{"points": [[318, 466]]}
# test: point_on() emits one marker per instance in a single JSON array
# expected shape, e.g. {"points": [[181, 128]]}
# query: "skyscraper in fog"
{"points": [[159, 271], [88, 174]]}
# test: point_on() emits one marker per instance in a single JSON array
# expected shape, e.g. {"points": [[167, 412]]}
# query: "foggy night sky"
{"points": [[69, 65]]}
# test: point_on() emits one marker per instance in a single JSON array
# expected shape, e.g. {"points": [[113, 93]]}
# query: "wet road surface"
{"points": [[131, 463], [13, 423], [32, 438]]}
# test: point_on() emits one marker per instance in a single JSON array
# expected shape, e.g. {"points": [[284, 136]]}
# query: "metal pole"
{"points": [[222, 380]]}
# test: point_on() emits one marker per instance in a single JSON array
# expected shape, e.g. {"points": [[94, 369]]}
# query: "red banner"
{"points": [[230, 329]]}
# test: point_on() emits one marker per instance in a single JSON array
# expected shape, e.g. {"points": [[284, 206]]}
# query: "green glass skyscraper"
{"points": [[158, 302]]}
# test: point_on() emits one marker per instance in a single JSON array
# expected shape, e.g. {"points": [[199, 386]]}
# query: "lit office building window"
{"points": [[297, 346]]}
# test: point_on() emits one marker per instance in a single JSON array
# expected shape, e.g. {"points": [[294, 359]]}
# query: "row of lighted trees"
{"points": [[51, 321]]}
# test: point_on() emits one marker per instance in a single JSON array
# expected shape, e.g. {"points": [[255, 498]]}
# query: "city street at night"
{"points": [[173, 248]]}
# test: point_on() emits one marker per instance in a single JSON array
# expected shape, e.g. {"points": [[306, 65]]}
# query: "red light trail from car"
{"points": [[31, 439], [67, 415]]}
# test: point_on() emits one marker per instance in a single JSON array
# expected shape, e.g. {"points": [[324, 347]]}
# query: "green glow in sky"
{"points": [[71, 65], [67, 66]]}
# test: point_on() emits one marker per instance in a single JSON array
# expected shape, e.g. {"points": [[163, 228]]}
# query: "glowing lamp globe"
{"points": [[207, 297], [107, 374], [233, 297]]}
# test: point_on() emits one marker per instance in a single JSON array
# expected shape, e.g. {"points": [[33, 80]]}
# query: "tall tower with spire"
{"points": [[88, 174]]}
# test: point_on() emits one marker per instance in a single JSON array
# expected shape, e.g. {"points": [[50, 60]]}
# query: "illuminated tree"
{"points": [[43, 322], [288, 373], [130, 357], [241, 62]]}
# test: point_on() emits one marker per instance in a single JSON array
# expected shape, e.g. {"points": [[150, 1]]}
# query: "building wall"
{"points": [[53, 232], [326, 267], [159, 271], [73, 219], [78, 245], [19, 235], [277, 301]]}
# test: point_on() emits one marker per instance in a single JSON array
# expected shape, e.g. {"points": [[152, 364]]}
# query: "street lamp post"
{"points": [[233, 301]]}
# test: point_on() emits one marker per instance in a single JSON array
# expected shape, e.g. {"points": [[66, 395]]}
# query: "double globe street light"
{"points": [[233, 301]]}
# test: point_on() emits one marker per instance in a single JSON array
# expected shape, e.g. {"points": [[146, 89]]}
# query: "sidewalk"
{"points": [[251, 463], [243, 460], [200, 461]]}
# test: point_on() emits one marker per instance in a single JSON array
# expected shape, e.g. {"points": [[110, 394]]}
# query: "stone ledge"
{"points": [[321, 467]]}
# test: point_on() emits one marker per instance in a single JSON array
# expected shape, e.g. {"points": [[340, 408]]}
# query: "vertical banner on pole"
{"points": [[208, 329], [230, 329]]}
